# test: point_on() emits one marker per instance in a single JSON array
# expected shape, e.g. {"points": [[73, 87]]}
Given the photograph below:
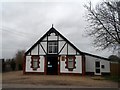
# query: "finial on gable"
{"points": [[52, 25]]}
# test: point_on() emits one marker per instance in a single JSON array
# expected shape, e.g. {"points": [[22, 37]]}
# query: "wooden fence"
{"points": [[115, 69]]}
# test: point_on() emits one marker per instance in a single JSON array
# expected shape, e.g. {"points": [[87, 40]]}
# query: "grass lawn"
{"points": [[113, 78]]}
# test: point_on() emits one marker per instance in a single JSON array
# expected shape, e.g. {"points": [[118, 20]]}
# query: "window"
{"points": [[35, 62], [70, 63], [52, 47], [97, 64], [103, 66], [97, 70]]}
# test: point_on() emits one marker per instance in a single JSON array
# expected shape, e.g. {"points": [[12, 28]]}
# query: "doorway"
{"points": [[52, 65], [97, 68]]}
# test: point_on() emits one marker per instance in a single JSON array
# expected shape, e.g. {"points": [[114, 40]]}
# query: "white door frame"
{"points": [[97, 68]]}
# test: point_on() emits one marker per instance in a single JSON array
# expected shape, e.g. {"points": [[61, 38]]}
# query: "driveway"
{"points": [[17, 79]]}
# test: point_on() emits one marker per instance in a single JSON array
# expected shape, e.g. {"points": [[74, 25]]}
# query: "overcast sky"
{"points": [[23, 23]]}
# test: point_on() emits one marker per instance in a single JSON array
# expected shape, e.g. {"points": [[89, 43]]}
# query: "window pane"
{"points": [[50, 43], [97, 64], [70, 63], [35, 60], [97, 70], [35, 63], [55, 49], [52, 47], [55, 43], [103, 66]]}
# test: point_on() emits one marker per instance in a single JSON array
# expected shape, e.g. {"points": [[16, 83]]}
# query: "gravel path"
{"points": [[17, 78]]}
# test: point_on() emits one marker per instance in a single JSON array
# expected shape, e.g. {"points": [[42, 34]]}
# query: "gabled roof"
{"points": [[95, 56], [47, 33], [55, 31]]}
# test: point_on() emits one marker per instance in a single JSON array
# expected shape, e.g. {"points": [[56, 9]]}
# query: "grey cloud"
{"points": [[28, 21]]}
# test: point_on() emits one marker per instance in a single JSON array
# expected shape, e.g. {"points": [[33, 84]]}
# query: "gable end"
{"points": [[57, 33]]}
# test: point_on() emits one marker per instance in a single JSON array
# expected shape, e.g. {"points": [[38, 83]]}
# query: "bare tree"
{"points": [[114, 58], [105, 24], [19, 59]]}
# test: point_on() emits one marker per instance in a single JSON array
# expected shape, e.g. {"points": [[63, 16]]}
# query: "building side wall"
{"points": [[28, 65], [90, 64], [107, 66], [78, 65]]}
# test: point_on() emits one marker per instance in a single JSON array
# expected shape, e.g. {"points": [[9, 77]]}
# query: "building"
{"points": [[53, 54]]}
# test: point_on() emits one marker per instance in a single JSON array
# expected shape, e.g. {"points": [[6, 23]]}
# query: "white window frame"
{"points": [[97, 68], [35, 60], [53, 46], [70, 60]]}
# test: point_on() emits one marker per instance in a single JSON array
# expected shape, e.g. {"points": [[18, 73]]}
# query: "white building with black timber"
{"points": [[53, 54]]}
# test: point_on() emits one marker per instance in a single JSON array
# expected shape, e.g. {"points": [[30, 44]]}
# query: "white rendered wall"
{"points": [[28, 53], [35, 50], [106, 65], [71, 50], [41, 51], [52, 38], [28, 65], [64, 50], [45, 39], [90, 64], [78, 65], [44, 44], [61, 44], [60, 38]]}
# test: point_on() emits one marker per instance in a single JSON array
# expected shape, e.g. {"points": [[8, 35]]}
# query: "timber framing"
{"points": [[59, 34], [57, 55], [46, 34]]}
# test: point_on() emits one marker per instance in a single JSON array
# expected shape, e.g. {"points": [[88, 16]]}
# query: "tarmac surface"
{"points": [[50, 87]]}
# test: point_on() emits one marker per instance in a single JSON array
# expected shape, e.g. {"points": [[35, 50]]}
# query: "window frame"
{"points": [[97, 64], [103, 66], [70, 61], [67, 62], [53, 47], [35, 57]]}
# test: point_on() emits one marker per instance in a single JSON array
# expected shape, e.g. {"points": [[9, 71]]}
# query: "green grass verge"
{"points": [[113, 78]]}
